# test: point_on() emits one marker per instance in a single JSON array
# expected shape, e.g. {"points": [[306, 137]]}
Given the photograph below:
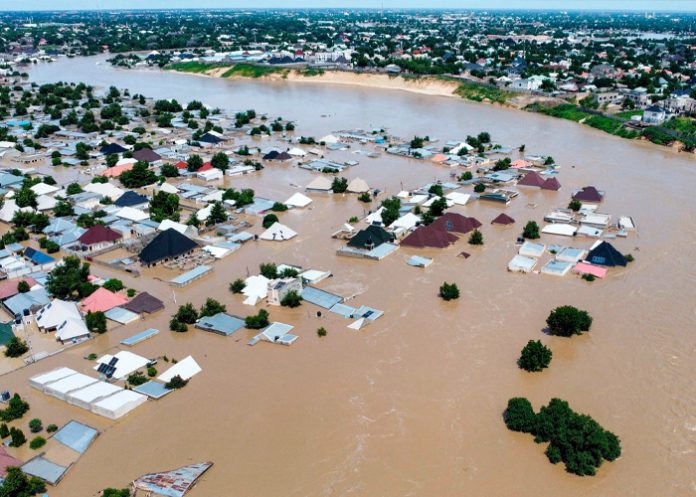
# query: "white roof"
{"points": [[104, 189], [76, 381], [407, 221], [298, 152], [169, 188], [181, 228], [458, 198], [531, 249], [329, 139], [55, 313], [256, 288], [358, 185], [419, 199], [209, 174], [39, 381], [186, 368], [319, 183], [118, 404], [559, 229], [217, 252], [214, 196], [127, 363], [278, 232], [44, 189], [204, 213], [375, 217], [94, 392], [45, 203], [10, 208], [298, 200], [520, 263], [432, 200], [71, 328], [126, 160], [131, 214]]}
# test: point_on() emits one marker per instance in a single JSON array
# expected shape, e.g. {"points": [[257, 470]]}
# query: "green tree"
{"points": [[269, 220], [479, 188], [476, 238], [37, 443], [187, 314], [176, 382], [217, 215], [68, 279], [339, 185], [268, 270], [257, 321], [575, 205], [18, 484], [531, 230], [169, 171], [194, 163], [16, 408], [35, 425], [237, 286], [23, 286], [15, 347], [291, 299], [449, 291], [535, 356], [220, 161], [321, 332], [211, 307], [437, 208], [63, 209], [73, 189], [391, 210], [568, 320], [165, 206], [25, 197], [17, 437], [519, 415], [4, 431], [96, 322], [113, 285], [140, 175]]}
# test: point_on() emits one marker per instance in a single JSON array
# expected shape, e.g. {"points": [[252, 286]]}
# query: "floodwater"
{"points": [[411, 405]]}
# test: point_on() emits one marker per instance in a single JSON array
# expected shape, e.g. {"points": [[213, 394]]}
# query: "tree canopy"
{"points": [[567, 320]]}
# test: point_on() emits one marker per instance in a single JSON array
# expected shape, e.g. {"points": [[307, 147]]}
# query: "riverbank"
{"points": [[448, 87]]}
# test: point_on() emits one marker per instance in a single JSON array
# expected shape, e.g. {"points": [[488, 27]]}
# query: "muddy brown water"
{"points": [[411, 405]]}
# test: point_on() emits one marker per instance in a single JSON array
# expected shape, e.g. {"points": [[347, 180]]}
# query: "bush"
{"points": [[4, 431], [35, 425], [178, 326], [629, 258], [96, 322], [92, 357], [535, 356], [211, 308], [365, 197], [576, 439], [279, 207], [131, 292], [466, 176], [567, 320], [187, 314], [321, 332], [269, 220], [15, 347], [37, 443], [17, 437], [258, 321], [588, 277], [339, 185], [476, 238], [116, 492], [113, 285], [137, 378], [176, 382], [15, 409], [449, 291], [237, 286], [151, 372], [575, 205], [23, 287], [268, 270], [291, 299], [480, 188], [52, 428], [531, 230]]}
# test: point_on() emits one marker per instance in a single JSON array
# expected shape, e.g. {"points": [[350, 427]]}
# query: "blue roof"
{"points": [[320, 297], [21, 301], [184, 279], [152, 389], [130, 198], [221, 323], [259, 206], [37, 257], [76, 436], [143, 335], [44, 469], [343, 310], [368, 313]]}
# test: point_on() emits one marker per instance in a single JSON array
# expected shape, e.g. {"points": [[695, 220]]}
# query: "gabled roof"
{"points": [[588, 194], [605, 254], [102, 300], [531, 179], [503, 218], [147, 155], [144, 302], [551, 184], [278, 232], [99, 234], [130, 198], [112, 148], [429, 236], [169, 243], [453, 222], [371, 237], [8, 288], [209, 138]]}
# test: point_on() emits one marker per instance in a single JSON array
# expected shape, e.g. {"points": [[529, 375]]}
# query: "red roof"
{"points": [[8, 288], [205, 167], [99, 234], [429, 236], [588, 194], [551, 184], [102, 300], [452, 222], [531, 179], [503, 219], [181, 165], [7, 460]]}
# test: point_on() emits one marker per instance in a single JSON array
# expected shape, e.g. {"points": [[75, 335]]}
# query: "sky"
{"points": [[640, 5]]}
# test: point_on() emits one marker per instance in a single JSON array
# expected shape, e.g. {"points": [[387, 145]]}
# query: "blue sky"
{"points": [[649, 5]]}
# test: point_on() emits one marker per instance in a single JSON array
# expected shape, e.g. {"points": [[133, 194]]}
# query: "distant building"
{"points": [[279, 288], [654, 115]]}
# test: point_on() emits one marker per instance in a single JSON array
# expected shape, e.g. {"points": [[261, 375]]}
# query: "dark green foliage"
{"points": [[52, 428], [151, 372], [62, 209], [177, 326], [23, 287], [141, 175], [176, 382], [365, 197], [576, 439], [535, 356], [417, 142], [588, 277], [4, 431], [73, 189], [116, 492], [18, 484], [321, 332], [15, 409], [575, 205], [629, 258], [96, 322], [15, 347], [269, 220], [17, 437], [436, 189], [194, 163], [479, 188], [237, 286], [137, 378], [268, 270], [437, 208], [37, 443], [113, 285], [476, 238], [567, 320], [187, 314], [35, 425], [220, 161], [279, 207], [217, 215], [211, 307], [502, 164], [339, 185], [164, 206], [241, 198], [292, 299], [390, 213], [449, 291], [466, 176], [258, 321], [169, 171], [531, 230]]}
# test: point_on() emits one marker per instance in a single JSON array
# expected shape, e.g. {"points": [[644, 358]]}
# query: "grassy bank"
{"points": [[254, 71], [612, 125], [481, 93], [194, 67]]}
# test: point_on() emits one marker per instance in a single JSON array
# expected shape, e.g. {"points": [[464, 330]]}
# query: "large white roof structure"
{"points": [[105, 189], [85, 397], [186, 368], [319, 183], [278, 233], [118, 404], [61, 388], [298, 200], [55, 313], [358, 185], [71, 329], [40, 381], [126, 363], [255, 289]]}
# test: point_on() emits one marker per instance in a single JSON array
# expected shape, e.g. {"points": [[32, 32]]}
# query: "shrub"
{"points": [[588, 277], [113, 285], [211, 308], [339, 185], [176, 382], [116, 492], [279, 207], [4, 431], [519, 415], [52, 428], [268, 270], [237, 286], [137, 378], [187, 314], [535, 356], [131, 292], [15, 409], [269, 220], [466, 176], [353, 219], [35, 425], [480, 188], [17, 437], [449, 291], [23, 287], [291, 299], [365, 197], [92, 357], [476, 238], [629, 258], [257, 321], [567, 321], [321, 332], [15, 347], [178, 326], [531, 230], [37, 443], [575, 205], [96, 321]]}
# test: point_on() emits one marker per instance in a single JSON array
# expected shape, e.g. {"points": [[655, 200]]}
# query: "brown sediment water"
{"points": [[412, 404]]}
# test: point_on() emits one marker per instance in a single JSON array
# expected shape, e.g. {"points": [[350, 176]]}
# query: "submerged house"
{"points": [[98, 237], [604, 254], [453, 222], [169, 244], [589, 194], [370, 238], [429, 236]]}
